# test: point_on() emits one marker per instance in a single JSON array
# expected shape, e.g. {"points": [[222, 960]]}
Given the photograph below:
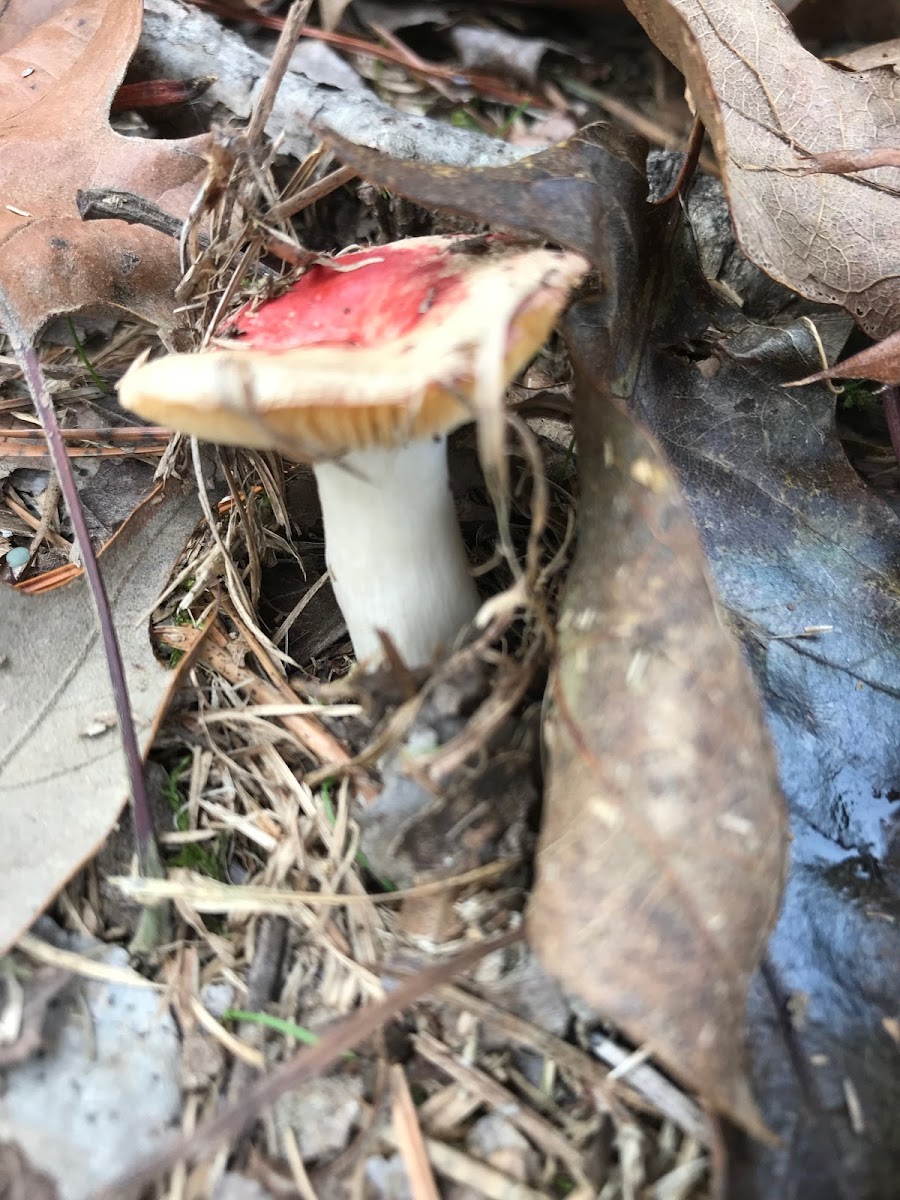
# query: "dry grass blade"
{"points": [[287, 40], [490, 1092], [409, 1137], [208, 896], [80, 964], [226, 656], [293, 204], [670, 1102], [484, 1180]]}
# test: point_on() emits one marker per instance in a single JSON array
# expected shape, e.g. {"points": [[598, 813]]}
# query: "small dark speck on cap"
{"points": [[59, 243]]}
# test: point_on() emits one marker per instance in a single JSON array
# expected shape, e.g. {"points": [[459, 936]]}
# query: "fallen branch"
{"points": [[181, 41]]}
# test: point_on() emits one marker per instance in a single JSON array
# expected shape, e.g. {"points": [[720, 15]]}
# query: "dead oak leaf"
{"points": [[771, 108], [18, 19], [56, 87]]}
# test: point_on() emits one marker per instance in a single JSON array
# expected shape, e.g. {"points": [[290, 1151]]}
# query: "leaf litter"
{"points": [[770, 106], [805, 556], [50, 260], [243, 789]]}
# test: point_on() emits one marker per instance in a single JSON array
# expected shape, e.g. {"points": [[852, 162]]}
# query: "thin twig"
{"points": [[480, 1083], [410, 1142], [49, 503], [12, 501], [265, 971], [24, 351], [287, 40], [289, 207], [114, 204]]}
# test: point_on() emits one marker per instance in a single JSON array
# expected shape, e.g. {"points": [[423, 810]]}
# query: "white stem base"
{"points": [[395, 551]]}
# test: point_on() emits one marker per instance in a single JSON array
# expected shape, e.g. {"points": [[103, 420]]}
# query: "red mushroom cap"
{"points": [[378, 348]]}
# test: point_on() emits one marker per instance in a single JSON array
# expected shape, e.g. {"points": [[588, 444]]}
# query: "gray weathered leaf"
{"points": [[62, 774]]}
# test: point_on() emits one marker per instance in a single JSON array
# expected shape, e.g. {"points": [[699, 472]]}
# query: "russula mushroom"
{"points": [[363, 367]]}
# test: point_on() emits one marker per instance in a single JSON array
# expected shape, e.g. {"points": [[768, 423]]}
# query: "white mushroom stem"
{"points": [[395, 551]]}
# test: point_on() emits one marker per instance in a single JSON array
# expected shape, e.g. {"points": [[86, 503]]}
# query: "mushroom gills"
{"points": [[395, 551]]}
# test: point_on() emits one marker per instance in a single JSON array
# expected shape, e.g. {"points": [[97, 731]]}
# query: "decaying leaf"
{"points": [[805, 557], [662, 853], [769, 106], [56, 87], [661, 860], [867, 58], [490, 49], [62, 776], [567, 192], [19, 19]]}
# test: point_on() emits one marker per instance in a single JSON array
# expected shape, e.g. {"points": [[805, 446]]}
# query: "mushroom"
{"points": [[363, 367]]}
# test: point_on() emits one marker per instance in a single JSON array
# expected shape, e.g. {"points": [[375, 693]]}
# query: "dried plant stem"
{"points": [[285, 209], [265, 967], [26, 356], [287, 40], [891, 397], [49, 502], [410, 1142]]}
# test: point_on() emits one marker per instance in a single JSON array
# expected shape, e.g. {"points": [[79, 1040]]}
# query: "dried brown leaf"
{"points": [[663, 851], [661, 860], [56, 87], [19, 19], [770, 106], [567, 191], [63, 778], [494, 50], [865, 58]]}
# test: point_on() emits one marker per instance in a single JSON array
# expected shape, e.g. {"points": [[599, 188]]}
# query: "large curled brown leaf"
{"points": [[662, 853], [56, 87], [661, 860], [770, 106], [63, 779]]}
